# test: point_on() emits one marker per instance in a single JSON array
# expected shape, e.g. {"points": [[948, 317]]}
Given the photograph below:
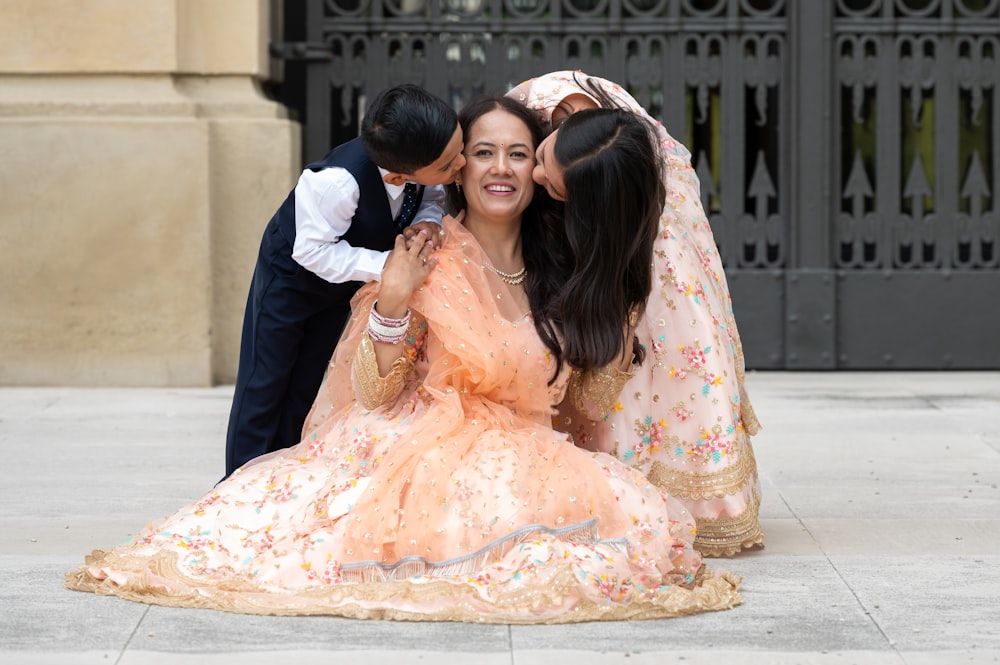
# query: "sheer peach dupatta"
{"points": [[482, 403]]}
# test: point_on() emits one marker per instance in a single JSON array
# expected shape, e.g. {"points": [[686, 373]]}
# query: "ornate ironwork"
{"points": [[919, 127], [721, 58], [848, 150]]}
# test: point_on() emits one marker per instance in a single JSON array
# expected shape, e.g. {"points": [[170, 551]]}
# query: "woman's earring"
{"points": [[458, 184]]}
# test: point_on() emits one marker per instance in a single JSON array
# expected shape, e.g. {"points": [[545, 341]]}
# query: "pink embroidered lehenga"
{"points": [[684, 419]]}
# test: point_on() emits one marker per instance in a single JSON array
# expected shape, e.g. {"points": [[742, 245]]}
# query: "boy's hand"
{"points": [[435, 233]]}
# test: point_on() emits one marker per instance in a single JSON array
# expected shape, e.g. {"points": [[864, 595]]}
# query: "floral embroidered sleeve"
{"points": [[373, 390]]}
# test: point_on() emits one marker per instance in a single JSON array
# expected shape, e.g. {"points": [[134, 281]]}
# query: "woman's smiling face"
{"points": [[499, 159]]}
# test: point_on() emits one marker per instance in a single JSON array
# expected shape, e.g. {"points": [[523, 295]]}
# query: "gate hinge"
{"points": [[311, 51]]}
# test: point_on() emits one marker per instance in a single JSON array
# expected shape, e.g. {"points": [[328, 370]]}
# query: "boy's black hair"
{"points": [[406, 128]]}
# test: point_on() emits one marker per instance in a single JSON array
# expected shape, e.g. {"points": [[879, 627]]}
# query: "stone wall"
{"points": [[140, 163]]}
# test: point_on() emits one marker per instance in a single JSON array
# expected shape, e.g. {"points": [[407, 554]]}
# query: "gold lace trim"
{"points": [[595, 392], [372, 389], [730, 535], [747, 413], [158, 581], [702, 485]]}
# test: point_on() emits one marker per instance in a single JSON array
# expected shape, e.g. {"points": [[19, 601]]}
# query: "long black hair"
{"points": [[613, 178]]}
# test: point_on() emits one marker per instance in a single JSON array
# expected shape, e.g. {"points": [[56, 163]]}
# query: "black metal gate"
{"points": [[849, 150]]}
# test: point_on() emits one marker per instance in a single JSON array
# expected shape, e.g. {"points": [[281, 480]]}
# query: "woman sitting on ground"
{"points": [[430, 484]]}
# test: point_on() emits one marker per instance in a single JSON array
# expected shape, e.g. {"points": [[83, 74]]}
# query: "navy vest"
{"points": [[372, 225]]}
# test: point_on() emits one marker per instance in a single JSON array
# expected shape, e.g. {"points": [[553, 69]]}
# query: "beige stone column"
{"points": [[140, 162]]}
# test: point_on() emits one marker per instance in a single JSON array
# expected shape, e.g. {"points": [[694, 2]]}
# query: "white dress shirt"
{"points": [[325, 203]]}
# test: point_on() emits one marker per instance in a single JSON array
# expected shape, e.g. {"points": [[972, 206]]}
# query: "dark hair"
{"points": [[406, 128], [543, 235], [613, 177]]}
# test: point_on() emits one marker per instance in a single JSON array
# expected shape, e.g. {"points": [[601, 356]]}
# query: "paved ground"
{"points": [[881, 511]]}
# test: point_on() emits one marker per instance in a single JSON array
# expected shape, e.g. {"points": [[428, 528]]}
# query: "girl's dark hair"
{"points": [[613, 179], [544, 245]]}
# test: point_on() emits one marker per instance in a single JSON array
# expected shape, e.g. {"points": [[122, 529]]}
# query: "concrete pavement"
{"points": [[881, 511]]}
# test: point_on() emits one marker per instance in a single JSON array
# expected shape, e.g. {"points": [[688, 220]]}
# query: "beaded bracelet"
{"points": [[385, 335], [386, 321], [386, 330]]}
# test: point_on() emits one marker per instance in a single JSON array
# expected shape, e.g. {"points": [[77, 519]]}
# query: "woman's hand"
{"points": [[407, 267]]}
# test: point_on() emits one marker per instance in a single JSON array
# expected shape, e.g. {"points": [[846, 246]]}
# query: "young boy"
{"points": [[332, 234]]}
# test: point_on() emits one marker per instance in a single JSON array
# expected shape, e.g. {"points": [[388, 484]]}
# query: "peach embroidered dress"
{"points": [[455, 501], [684, 419]]}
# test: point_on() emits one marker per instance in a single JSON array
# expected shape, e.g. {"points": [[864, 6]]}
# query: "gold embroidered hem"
{"points": [[555, 600], [704, 485], [747, 414], [732, 535], [709, 493]]}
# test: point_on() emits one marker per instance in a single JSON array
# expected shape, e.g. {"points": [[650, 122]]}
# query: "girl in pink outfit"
{"points": [[684, 418]]}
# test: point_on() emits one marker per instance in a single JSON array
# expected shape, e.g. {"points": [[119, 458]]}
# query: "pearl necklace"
{"points": [[507, 277]]}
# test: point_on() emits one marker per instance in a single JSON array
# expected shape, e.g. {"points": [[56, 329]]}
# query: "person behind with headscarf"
{"points": [[684, 418]]}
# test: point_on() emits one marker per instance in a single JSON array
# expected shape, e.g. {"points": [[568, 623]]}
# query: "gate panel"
{"points": [[916, 166]]}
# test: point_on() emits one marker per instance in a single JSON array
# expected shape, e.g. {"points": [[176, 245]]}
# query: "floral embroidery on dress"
{"points": [[694, 373], [415, 344], [650, 438]]}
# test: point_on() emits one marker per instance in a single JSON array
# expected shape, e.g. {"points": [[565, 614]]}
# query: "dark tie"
{"points": [[409, 208]]}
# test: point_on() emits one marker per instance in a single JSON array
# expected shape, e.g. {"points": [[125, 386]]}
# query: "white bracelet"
{"points": [[387, 334], [385, 320]]}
